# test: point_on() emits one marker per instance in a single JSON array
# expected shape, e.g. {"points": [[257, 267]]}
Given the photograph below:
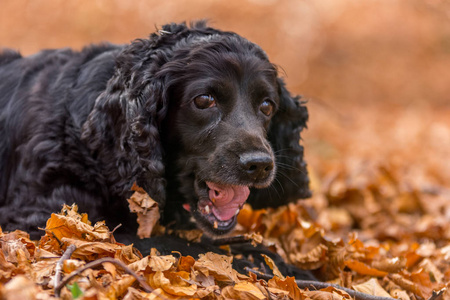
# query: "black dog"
{"points": [[197, 117]]}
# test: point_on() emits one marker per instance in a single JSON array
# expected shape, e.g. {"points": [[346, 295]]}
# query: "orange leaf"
{"points": [[364, 269], [217, 265], [371, 287], [243, 290], [287, 284], [147, 211], [272, 266]]}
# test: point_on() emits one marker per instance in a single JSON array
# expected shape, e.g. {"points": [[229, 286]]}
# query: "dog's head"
{"points": [[207, 114]]}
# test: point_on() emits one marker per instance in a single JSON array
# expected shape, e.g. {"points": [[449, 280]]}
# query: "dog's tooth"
{"points": [[207, 210], [237, 212], [216, 225]]}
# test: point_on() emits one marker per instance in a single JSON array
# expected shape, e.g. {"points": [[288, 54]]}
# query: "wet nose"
{"points": [[257, 165]]}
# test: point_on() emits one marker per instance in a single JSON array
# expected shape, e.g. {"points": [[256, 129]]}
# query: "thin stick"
{"points": [[96, 263], [239, 239], [316, 285], [67, 254]]}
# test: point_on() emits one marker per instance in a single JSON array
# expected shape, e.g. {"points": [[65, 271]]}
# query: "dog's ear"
{"points": [[291, 182], [123, 129]]}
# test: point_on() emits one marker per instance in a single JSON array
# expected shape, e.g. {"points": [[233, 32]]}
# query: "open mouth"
{"points": [[219, 206]]}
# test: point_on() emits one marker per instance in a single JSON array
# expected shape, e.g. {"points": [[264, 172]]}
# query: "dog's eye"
{"points": [[266, 107], [204, 101]]}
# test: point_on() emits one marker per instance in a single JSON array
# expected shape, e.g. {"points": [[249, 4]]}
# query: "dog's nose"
{"points": [[258, 165]]}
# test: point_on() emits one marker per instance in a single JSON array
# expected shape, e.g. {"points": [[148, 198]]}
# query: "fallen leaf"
{"points": [[287, 284], [371, 287], [172, 284], [147, 211], [216, 265], [314, 259], [364, 269], [390, 265], [322, 295], [243, 290], [272, 266], [70, 224], [161, 263], [20, 288]]}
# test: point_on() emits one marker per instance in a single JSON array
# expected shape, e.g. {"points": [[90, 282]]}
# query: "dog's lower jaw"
{"points": [[215, 207], [212, 226]]}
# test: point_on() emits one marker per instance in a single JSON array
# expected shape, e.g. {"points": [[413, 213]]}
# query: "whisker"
{"points": [[285, 166], [280, 150], [288, 178]]}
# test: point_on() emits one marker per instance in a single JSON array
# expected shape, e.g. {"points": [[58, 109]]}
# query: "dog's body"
{"points": [[196, 116]]}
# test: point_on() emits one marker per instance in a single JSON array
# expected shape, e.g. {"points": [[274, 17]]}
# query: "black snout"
{"points": [[257, 165]]}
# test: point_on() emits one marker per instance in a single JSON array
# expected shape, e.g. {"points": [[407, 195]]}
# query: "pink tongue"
{"points": [[227, 199]]}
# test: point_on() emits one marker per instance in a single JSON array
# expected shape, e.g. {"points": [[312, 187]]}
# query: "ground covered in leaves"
{"points": [[378, 223]]}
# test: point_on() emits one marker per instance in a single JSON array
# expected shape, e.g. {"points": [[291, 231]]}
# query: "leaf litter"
{"points": [[376, 225]]}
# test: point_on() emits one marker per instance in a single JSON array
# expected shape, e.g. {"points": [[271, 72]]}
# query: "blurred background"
{"points": [[375, 73]]}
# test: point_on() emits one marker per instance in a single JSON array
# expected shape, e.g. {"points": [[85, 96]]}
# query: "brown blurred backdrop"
{"points": [[334, 50], [376, 72]]}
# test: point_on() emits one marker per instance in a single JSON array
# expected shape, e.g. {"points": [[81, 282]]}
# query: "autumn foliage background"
{"points": [[376, 77]]}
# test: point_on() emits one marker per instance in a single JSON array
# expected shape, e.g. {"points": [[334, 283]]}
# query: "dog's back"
{"points": [[44, 100]]}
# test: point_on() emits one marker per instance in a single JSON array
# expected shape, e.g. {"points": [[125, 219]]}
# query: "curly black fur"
{"points": [[83, 126]]}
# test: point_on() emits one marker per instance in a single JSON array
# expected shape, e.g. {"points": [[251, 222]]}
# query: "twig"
{"points": [[67, 254], [437, 294], [96, 263], [322, 285], [239, 239], [115, 228]]}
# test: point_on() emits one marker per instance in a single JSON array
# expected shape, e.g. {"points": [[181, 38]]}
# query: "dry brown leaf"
{"points": [[140, 265], [134, 294], [206, 284], [322, 295], [147, 211], [43, 271], [118, 288], [71, 265], [275, 293], [421, 279], [70, 224], [337, 252], [216, 265], [243, 290], [254, 237], [7, 269], [111, 268], [186, 263], [371, 287], [194, 235], [161, 263], [91, 250], [20, 288], [336, 291], [314, 259], [127, 254], [390, 265], [430, 268], [400, 294], [172, 283], [272, 266], [287, 284], [423, 291], [251, 219]]}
